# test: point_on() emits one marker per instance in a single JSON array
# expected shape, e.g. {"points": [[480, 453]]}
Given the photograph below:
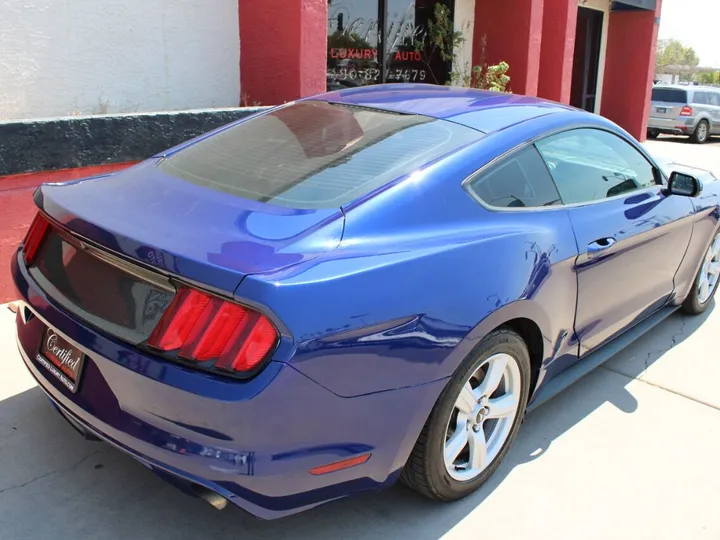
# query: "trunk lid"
{"points": [[176, 227]]}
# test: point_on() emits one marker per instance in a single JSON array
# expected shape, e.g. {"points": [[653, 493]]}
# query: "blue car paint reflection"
{"points": [[377, 301]]}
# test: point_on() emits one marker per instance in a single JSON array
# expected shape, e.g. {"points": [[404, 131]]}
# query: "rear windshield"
{"points": [[670, 95], [316, 154]]}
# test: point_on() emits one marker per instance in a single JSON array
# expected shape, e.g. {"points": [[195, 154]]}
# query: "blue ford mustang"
{"points": [[362, 286]]}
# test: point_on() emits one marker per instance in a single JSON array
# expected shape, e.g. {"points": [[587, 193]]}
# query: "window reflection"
{"points": [[352, 58], [355, 29]]}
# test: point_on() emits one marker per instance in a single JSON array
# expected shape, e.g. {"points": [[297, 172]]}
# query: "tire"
{"points": [[701, 133], [653, 134], [502, 351], [708, 276]]}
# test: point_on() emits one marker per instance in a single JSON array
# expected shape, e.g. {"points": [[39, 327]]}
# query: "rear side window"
{"points": [[670, 95], [316, 154], [713, 99], [519, 181]]}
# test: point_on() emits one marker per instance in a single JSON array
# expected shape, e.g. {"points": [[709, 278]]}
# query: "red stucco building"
{"points": [[594, 54]]}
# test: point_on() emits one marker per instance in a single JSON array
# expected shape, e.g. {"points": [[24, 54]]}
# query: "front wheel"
{"points": [[706, 281], [474, 421]]}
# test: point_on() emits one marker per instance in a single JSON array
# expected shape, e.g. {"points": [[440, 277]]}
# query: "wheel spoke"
{"points": [[714, 268], [455, 445], [478, 449], [466, 401], [503, 406], [715, 248], [495, 372], [704, 289]]}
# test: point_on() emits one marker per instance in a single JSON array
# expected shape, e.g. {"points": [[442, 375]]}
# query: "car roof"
{"points": [[482, 110], [687, 87]]}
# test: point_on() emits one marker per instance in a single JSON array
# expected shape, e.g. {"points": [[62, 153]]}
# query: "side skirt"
{"points": [[568, 377]]}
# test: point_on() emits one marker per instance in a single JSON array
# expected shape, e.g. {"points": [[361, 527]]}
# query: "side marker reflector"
{"points": [[339, 465]]}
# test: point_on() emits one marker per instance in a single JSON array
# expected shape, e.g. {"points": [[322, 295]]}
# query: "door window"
{"points": [[714, 98], [521, 180], [590, 164]]}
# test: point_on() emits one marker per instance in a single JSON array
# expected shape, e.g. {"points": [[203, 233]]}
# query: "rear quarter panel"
{"points": [[422, 274]]}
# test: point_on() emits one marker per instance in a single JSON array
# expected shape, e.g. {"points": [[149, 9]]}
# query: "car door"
{"points": [[714, 98], [631, 237]]}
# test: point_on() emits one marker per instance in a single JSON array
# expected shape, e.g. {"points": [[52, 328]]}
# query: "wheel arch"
{"points": [[530, 321]]}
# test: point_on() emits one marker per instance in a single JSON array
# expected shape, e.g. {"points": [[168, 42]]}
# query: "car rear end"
{"points": [[671, 111], [192, 384], [130, 319]]}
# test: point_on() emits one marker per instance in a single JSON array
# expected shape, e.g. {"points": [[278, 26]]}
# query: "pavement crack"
{"points": [[681, 331], [51, 473]]}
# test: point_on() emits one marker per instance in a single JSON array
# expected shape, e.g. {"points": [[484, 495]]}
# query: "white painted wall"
{"points": [[68, 57], [464, 22]]}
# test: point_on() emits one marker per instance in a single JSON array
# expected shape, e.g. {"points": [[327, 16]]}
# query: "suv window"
{"points": [[518, 181], [670, 95], [590, 164], [714, 98], [701, 98], [316, 154]]}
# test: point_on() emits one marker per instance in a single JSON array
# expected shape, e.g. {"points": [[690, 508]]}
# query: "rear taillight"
{"points": [[204, 328], [35, 236], [686, 111]]}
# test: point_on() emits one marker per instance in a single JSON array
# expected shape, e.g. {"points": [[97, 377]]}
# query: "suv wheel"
{"points": [[702, 132], [653, 133]]}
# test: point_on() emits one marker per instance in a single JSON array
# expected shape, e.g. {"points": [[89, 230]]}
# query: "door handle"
{"points": [[600, 245]]}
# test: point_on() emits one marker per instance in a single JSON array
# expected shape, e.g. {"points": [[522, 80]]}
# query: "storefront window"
{"points": [[374, 41]]}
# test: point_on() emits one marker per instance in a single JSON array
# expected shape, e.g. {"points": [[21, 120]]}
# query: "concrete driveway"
{"points": [[629, 452], [683, 151]]}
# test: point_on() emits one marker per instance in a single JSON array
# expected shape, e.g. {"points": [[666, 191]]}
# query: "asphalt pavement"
{"points": [[629, 452]]}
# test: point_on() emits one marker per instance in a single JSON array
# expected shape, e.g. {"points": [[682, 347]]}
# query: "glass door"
{"points": [[353, 57], [375, 41]]}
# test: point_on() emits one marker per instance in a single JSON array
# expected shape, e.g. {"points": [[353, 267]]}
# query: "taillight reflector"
{"points": [[203, 327], [686, 111], [33, 240]]}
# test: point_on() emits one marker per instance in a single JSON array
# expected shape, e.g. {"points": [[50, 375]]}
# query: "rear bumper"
{"points": [[253, 442], [672, 126]]}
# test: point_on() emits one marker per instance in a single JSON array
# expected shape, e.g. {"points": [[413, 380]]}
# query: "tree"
{"points": [[708, 78], [671, 52]]}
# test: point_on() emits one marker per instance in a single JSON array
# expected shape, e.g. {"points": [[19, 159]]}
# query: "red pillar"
{"points": [[514, 30], [557, 50], [629, 69], [282, 50]]}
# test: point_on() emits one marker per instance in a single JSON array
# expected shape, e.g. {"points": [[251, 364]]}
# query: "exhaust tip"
{"points": [[215, 500]]}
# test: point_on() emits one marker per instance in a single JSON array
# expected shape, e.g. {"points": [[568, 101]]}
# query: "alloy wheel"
{"points": [[710, 272], [482, 417], [702, 131]]}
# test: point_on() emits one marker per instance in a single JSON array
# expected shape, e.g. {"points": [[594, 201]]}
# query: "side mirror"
{"points": [[684, 185]]}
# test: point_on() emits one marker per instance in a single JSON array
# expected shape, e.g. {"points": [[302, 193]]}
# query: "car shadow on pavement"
{"points": [[54, 484], [680, 139]]}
